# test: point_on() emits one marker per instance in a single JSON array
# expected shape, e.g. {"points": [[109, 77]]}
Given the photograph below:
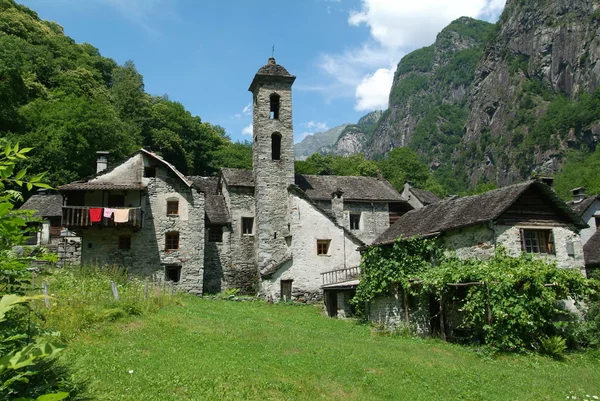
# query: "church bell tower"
{"points": [[273, 159]]}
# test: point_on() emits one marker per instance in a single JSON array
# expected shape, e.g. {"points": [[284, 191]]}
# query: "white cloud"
{"points": [[317, 126], [248, 109], [247, 130], [373, 91], [396, 28]]}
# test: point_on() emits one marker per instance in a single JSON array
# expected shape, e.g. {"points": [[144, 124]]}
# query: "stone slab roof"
{"points": [[47, 205], [236, 177], [320, 187], [426, 197], [582, 206], [215, 206], [591, 250], [89, 183], [96, 186], [456, 213], [208, 185]]}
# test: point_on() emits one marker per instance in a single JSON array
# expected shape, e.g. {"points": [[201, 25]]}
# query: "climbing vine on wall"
{"points": [[512, 302]]}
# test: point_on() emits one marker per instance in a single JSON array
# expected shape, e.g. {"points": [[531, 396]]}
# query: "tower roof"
{"points": [[271, 72]]}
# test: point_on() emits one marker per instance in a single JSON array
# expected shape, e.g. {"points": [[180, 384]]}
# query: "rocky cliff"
{"points": [[497, 103], [542, 60], [427, 103]]}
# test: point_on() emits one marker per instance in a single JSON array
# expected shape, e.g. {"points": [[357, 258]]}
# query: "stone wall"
{"points": [[588, 217], [389, 311], [307, 225], [241, 271], [147, 255], [69, 251], [374, 219]]}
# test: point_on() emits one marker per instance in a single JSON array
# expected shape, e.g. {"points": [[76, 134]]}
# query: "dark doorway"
{"points": [[331, 303], [286, 290]]}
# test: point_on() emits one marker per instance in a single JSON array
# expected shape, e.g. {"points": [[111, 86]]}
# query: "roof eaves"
{"points": [[169, 166]]}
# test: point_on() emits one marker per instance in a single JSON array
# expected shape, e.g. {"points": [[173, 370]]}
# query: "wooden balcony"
{"points": [[79, 217], [340, 275]]}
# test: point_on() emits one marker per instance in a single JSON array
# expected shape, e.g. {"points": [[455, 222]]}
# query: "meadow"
{"points": [[215, 349]]}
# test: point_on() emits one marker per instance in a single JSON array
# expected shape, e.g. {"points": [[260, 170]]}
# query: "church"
{"points": [[265, 231]]}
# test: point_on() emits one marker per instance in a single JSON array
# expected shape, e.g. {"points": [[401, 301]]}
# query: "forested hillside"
{"points": [[68, 101]]}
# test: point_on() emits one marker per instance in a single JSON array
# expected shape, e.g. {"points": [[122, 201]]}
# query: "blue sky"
{"points": [[204, 53]]}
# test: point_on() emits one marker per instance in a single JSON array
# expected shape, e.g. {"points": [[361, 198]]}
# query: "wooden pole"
{"points": [[489, 309], [406, 313], [45, 291], [442, 325], [115, 291], [146, 290]]}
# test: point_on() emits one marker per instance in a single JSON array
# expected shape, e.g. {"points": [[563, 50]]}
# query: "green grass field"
{"points": [[213, 350]]}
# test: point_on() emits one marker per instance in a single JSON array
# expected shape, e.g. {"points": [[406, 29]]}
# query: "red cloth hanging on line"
{"points": [[95, 214]]}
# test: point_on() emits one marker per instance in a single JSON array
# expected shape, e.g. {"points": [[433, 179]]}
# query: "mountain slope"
{"points": [[315, 142], [427, 101], [529, 105]]}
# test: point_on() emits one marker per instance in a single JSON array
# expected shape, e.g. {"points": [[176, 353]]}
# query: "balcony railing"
{"points": [[340, 275], [79, 216]]}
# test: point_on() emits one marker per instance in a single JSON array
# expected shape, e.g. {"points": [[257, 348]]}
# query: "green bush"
{"points": [[553, 346]]}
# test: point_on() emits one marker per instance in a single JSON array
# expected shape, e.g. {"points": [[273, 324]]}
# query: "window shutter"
{"points": [[522, 233]]}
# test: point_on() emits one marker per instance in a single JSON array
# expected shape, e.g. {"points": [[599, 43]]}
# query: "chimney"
{"points": [[578, 194], [101, 160], [545, 179], [337, 205]]}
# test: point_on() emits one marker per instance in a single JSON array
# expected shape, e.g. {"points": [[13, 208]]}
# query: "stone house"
{"points": [[265, 230], [154, 224], [418, 198], [527, 217], [48, 208], [588, 207]]}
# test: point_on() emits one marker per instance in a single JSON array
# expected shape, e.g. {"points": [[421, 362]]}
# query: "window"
{"points": [[597, 221], [116, 200], [125, 242], [172, 207], [276, 146], [149, 171], [323, 246], [355, 221], [274, 111], [537, 241], [173, 273], [247, 225], [215, 234], [171, 241]]}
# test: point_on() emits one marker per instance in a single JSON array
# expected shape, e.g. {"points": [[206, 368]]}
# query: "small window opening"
{"points": [[171, 241], [323, 246], [274, 235], [173, 273], [275, 146], [597, 221], [286, 290], [247, 225], [274, 111], [149, 171], [355, 221], [172, 207], [125, 242], [215, 234], [537, 241]]}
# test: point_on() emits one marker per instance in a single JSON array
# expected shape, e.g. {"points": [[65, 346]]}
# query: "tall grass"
{"points": [[82, 298]]}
